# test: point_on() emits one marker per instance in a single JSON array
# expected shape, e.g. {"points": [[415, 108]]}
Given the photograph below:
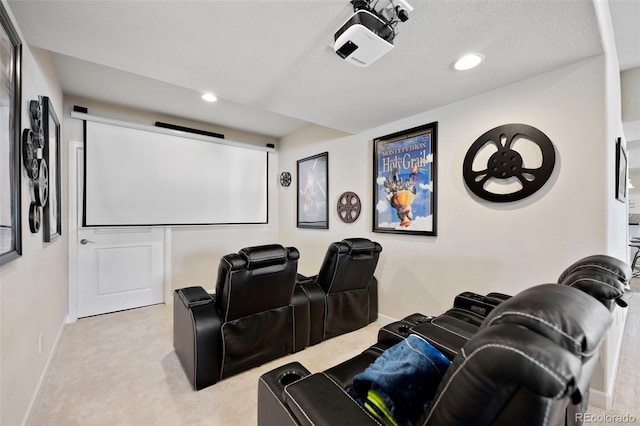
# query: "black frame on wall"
{"points": [[313, 192], [621, 172], [52, 221], [405, 177], [10, 87]]}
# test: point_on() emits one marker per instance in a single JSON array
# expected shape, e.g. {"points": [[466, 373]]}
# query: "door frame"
{"points": [[75, 159]]}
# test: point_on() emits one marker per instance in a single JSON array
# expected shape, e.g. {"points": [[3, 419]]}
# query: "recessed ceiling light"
{"points": [[209, 97], [468, 61]]}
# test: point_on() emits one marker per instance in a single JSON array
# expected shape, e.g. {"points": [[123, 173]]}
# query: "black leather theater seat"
{"points": [[343, 296], [249, 321], [528, 361], [262, 309]]}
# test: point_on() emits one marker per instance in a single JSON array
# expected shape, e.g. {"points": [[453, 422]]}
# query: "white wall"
{"points": [[482, 246], [617, 231], [33, 287], [630, 84], [630, 92]]}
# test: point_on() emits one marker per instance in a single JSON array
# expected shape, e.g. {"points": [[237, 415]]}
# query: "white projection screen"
{"points": [[139, 177]]}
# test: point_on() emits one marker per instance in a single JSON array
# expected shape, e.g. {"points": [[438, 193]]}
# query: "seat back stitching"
{"points": [[492, 345], [535, 318]]}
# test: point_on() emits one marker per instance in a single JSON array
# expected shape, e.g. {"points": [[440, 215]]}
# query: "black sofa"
{"points": [[528, 362], [263, 309]]}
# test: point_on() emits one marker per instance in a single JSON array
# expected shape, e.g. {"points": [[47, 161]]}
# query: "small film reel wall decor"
{"points": [[348, 207], [285, 179], [514, 157], [33, 143]]}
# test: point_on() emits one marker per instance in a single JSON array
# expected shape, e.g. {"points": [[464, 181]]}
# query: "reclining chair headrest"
{"points": [[260, 278], [603, 263], [267, 255], [601, 286], [603, 277], [569, 317], [361, 246]]}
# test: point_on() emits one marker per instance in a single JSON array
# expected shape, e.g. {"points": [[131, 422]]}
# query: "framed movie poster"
{"points": [[313, 192], [52, 222], [404, 181], [10, 109]]}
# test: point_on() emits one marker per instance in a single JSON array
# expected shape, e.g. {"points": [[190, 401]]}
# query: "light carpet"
{"points": [[121, 369]]}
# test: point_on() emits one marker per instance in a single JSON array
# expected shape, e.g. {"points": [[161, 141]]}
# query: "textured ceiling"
{"points": [[272, 65]]}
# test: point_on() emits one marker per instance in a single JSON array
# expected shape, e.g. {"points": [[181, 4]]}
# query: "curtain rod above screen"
{"points": [[154, 129]]}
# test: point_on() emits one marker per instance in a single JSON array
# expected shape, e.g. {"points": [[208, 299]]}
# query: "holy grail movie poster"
{"points": [[404, 184]]}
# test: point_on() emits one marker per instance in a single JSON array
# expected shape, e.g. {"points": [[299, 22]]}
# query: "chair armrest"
{"points": [[272, 409], [474, 302], [194, 296], [445, 340], [318, 400], [196, 336], [302, 320], [303, 279], [373, 299], [317, 307]]}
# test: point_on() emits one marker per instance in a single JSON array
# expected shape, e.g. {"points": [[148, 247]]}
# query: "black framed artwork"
{"points": [[313, 192], [51, 220], [404, 181], [621, 172], [10, 111]]}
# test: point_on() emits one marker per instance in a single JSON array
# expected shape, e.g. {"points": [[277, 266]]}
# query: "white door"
{"points": [[119, 269], [111, 269]]}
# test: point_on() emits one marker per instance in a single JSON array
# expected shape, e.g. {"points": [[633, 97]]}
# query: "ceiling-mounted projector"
{"points": [[368, 34], [363, 39]]}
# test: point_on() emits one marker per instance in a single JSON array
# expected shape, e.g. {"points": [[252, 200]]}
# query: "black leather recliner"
{"points": [[526, 364], [262, 309], [603, 277], [343, 296], [607, 280], [247, 322]]}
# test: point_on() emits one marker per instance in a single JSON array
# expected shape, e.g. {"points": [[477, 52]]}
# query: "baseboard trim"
{"points": [[384, 319], [45, 370], [599, 399]]}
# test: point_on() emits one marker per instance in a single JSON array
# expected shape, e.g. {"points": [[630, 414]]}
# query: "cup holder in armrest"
{"points": [[404, 329], [287, 377], [271, 394], [395, 332], [277, 379]]}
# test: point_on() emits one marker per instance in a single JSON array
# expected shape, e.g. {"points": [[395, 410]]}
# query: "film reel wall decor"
{"points": [[509, 163], [285, 179], [33, 144], [348, 207]]}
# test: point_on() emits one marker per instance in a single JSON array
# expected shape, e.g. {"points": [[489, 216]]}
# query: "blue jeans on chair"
{"points": [[405, 376]]}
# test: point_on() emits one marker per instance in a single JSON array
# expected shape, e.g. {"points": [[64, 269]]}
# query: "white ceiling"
{"points": [[272, 66]]}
